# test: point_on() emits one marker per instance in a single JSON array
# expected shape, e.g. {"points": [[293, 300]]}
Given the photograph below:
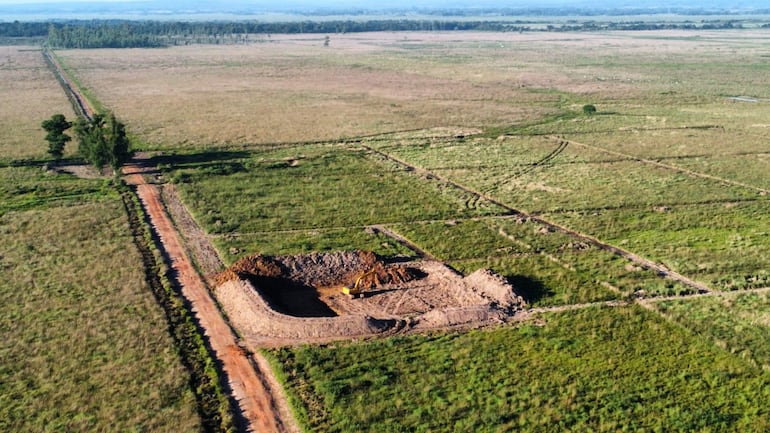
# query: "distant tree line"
{"points": [[142, 34], [18, 29], [102, 35]]}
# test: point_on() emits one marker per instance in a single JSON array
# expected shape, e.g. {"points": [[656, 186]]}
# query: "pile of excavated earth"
{"points": [[295, 299]]}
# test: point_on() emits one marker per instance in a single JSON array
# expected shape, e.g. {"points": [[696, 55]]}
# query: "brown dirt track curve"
{"points": [[248, 386]]}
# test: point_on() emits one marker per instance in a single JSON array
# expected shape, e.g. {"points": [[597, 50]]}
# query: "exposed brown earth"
{"points": [[298, 299]]}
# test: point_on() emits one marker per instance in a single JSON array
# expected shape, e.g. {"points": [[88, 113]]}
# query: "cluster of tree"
{"points": [[102, 140], [642, 25], [56, 137], [554, 11], [101, 35], [18, 29]]}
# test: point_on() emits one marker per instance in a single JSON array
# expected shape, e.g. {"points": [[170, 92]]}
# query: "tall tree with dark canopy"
{"points": [[55, 126], [103, 141]]}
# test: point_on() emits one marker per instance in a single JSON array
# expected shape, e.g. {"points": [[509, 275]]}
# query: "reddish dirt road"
{"points": [[246, 383]]}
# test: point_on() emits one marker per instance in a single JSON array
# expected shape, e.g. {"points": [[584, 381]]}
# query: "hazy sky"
{"points": [[42, 8]]}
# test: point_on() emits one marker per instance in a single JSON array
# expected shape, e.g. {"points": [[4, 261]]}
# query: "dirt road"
{"points": [[246, 382]]}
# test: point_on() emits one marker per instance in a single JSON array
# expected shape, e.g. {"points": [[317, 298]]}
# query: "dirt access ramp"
{"points": [[289, 300]]}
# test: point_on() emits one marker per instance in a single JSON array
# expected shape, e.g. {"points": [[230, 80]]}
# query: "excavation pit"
{"points": [[289, 299]]}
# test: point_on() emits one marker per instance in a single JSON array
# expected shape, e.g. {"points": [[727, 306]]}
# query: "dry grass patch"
{"points": [[30, 94]]}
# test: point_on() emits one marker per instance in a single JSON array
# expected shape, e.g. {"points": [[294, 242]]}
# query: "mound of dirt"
{"points": [[495, 288], [452, 317], [250, 267], [262, 325], [318, 270]]}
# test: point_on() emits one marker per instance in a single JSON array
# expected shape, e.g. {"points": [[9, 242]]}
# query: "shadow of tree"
{"points": [[196, 160]]}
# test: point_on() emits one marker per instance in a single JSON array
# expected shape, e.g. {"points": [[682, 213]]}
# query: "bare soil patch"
{"points": [[294, 299]]}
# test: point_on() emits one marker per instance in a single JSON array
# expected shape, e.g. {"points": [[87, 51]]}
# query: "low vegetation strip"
{"points": [[79, 102]]}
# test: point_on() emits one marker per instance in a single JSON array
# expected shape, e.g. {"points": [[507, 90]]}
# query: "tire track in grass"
{"points": [[645, 263]]}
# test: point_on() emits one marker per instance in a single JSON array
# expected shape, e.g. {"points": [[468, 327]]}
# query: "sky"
{"points": [[388, 4], [33, 10]]}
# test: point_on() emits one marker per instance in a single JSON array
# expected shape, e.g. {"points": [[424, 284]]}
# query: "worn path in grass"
{"points": [[244, 377], [628, 255]]}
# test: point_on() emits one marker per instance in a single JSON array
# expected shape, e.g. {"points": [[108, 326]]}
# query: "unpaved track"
{"points": [[246, 384]]}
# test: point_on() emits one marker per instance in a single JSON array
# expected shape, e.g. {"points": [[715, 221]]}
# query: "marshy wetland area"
{"points": [[550, 231]]}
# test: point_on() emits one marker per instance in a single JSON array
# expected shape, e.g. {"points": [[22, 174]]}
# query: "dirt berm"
{"points": [[295, 299]]}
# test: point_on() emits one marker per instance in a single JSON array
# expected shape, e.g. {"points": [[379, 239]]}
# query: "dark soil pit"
{"points": [[287, 297], [302, 285]]}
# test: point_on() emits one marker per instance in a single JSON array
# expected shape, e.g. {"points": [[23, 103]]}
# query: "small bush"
{"points": [[589, 109]]}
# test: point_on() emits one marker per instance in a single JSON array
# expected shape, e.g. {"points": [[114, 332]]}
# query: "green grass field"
{"points": [[273, 156], [597, 369], [84, 345]]}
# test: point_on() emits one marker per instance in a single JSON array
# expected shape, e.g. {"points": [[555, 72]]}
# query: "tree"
{"points": [[55, 126], [103, 141], [589, 109]]}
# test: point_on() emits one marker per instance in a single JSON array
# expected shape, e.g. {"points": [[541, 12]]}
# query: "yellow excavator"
{"points": [[356, 291]]}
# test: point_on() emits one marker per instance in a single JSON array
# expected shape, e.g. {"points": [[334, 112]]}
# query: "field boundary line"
{"points": [[660, 269], [761, 191], [79, 102], [403, 241]]}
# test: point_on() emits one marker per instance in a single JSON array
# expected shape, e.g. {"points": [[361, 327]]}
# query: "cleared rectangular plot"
{"points": [[459, 240], [509, 154], [750, 169], [595, 186], [675, 144]]}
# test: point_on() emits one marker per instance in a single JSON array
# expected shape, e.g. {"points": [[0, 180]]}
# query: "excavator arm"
{"points": [[356, 291]]}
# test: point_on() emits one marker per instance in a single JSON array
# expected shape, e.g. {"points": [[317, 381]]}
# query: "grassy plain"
{"points": [[29, 95], [670, 168], [737, 323], [598, 369], [83, 344]]}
